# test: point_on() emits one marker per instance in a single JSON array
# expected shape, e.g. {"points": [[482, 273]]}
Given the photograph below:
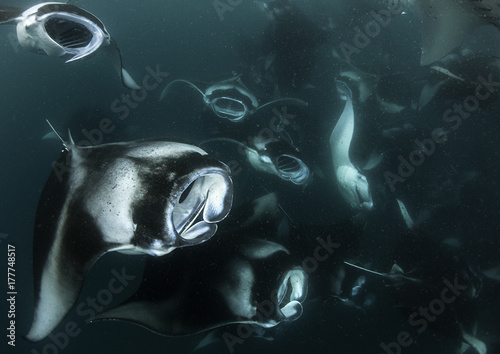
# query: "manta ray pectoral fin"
{"points": [[58, 293], [344, 90], [445, 23], [166, 89], [9, 14], [229, 140], [374, 159], [406, 216], [128, 81], [470, 338], [285, 101], [429, 92], [493, 273], [114, 52], [354, 187], [63, 253]]}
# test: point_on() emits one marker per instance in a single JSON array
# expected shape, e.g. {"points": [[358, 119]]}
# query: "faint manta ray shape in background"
{"points": [[445, 23], [141, 197], [58, 29], [231, 99]]}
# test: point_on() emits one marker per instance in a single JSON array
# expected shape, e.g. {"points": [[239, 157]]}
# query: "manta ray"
{"points": [[445, 23], [59, 29], [141, 197], [231, 279], [241, 276], [272, 156], [230, 99], [353, 186]]}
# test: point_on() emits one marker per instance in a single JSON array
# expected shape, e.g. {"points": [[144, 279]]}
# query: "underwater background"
{"points": [[452, 195]]}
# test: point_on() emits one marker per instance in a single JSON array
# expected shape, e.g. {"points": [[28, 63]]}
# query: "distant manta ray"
{"points": [[273, 156], [353, 186], [445, 23], [58, 29], [231, 99]]}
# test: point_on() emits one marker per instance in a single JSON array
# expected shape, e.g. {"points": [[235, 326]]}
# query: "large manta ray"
{"points": [[231, 279], [58, 29], [148, 196]]}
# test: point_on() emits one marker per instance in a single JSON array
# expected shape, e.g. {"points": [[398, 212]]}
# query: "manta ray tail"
{"points": [[9, 14], [114, 51]]}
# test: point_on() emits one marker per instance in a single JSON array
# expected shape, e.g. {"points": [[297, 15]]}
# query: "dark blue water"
{"points": [[448, 167]]}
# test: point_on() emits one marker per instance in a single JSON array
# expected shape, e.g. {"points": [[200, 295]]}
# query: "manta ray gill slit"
{"points": [[229, 108], [288, 164], [67, 33], [199, 206]]}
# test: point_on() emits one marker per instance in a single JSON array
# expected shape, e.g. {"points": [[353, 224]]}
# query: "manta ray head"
{"points": [[152, 196], [284, 163], [189, 212], [53, 32], [354, 188], [200, 203], [229, 108]]}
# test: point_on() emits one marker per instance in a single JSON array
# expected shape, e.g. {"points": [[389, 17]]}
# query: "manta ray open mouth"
{"points": [[201, 204], [291, 293], [229, 108], [68, 34], [293, 169]]}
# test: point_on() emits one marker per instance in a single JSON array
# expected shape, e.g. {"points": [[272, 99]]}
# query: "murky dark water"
{"points": [[366, 158]]}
